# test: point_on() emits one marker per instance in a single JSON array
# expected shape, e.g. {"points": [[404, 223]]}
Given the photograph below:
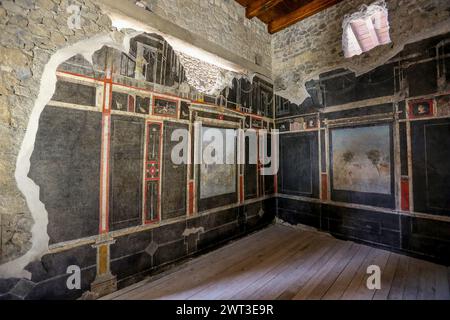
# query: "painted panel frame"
{"points": [[222, 199], [169, 110], [358, 197], [429, 158]]}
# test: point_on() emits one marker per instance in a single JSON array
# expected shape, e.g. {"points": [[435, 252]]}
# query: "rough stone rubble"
{"points": [[313, 46]]}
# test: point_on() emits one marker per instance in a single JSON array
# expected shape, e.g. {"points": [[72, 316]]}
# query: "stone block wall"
{"points": [[312, 46], [323, 181], [222, 22], [36, 39], [31, 32]]}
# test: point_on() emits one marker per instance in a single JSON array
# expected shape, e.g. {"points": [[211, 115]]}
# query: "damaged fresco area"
{"points": [[60, 161], [314, 46], [16, 234], [361, 159], [376, 167]]}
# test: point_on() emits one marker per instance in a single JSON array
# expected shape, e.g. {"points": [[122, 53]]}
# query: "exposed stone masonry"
{"points": [[222, 22], [312, 46], [32, 30]]}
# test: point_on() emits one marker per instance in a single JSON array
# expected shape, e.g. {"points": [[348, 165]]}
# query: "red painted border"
{"points": [[80, 75], [324, 178], [405, 194], [275, 183], [158, 179], [413, 102]]}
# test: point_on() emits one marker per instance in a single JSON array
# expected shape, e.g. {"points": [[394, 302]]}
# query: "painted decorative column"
{"points": [[105, 282]]}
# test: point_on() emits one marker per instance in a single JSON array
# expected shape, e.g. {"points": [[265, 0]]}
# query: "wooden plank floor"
{"points": [[282, 262]]}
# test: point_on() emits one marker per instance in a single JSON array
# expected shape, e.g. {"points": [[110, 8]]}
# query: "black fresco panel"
{"points": [[142, 105], [380, 199], [403, 149], [75, 93], [269, 180], [299, 164], [119, 101], [376, 83], [360, 112], [431, 172], [184, 112], [422, 79], [127, 146], [66, 166], [323, 152], [427, 237]]}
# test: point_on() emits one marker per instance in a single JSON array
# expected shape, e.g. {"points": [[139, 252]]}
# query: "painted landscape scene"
{"points": [[361, 159]]}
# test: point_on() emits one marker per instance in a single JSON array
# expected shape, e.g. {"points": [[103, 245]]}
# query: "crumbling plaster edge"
{"points": [[438, 29], [125, 14], [30, 190]]}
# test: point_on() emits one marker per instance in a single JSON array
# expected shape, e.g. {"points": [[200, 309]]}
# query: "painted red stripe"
{"points": [[156, 178], [405, 194], [275, 183], [241, 188], [191, 198]]}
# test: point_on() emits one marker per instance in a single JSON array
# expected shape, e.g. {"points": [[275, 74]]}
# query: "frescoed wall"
{"points": [[218, 179], [118, 206], [100, 168], [376, 166], [361, 159]]}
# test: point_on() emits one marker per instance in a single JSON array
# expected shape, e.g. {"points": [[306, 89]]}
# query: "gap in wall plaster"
{"points": [[291, 85], [214, 72], [123, 22], [211, 83], [30, 190]]}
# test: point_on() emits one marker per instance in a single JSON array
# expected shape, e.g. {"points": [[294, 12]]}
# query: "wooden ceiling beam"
{"points": [[257, 7], [301, 13]]}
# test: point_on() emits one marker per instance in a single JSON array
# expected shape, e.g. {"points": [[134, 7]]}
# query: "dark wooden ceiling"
{"points": [[280, 14]]}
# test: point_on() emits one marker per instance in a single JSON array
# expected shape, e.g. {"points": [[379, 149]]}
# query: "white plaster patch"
{"points": [[30, 190], [292, 79], [190, 231], [296, 226]]}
